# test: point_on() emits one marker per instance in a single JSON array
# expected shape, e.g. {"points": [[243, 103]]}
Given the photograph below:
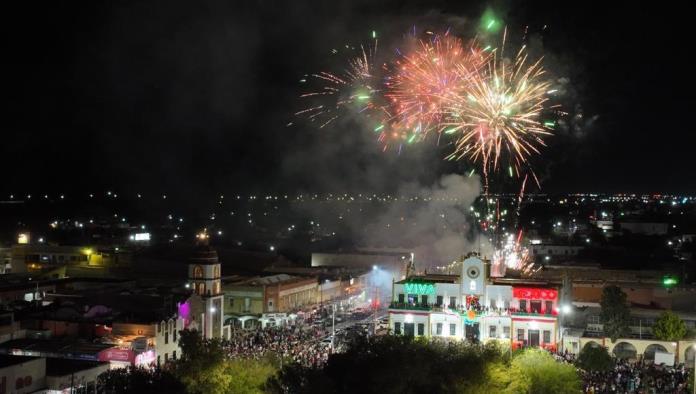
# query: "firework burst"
{"points": [[422, 82], [498, 119]]}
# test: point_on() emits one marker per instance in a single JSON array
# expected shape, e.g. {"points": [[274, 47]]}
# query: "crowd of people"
{"points": [[298, 343], [638, 377]]}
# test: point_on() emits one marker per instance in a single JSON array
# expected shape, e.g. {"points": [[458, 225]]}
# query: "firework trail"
{"points": [[352, 91]]}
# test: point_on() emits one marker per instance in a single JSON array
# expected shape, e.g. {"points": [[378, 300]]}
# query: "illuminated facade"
{"points": [[204, 279], [468, 306]]}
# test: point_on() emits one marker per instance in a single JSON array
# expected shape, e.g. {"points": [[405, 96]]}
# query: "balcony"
{"points": [[411, 307], [515, 312]]}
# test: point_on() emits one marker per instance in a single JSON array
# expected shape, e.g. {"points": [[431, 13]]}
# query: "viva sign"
{"points": [[419, 288]]}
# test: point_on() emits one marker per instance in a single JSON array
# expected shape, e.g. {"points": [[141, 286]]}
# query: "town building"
{"points": [[471, 306]]}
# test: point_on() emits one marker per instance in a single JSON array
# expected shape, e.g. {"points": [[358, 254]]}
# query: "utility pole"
{"points": [[333, 325]]}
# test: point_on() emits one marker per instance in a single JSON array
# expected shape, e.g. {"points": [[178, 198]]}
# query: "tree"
{"points": [[543, 373], [595, 358], [204, 368], [396, 364], [615, 314], [391, 364], [669, 327]]}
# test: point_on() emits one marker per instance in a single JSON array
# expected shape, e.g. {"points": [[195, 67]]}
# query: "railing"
{"points": [[524, 313], [407, 306]]}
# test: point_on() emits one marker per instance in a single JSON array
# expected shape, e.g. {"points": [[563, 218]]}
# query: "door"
{"points": [[472, 332], [533, 338]]}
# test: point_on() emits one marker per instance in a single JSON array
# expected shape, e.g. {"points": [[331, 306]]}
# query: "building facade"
{"points": [[471, 307]]}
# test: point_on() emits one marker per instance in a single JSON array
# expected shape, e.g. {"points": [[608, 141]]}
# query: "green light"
{"points": [[470, 174], [450, 131], [374, 34], [489, 22], [410, 140], [549, 124], [669, 281], [419, 288], [510, 171], [363, 97], [487, 47], [379, 128]]}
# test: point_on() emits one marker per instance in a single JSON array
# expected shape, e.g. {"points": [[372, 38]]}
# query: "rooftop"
{"points": [[7, 360], [63, 367]]}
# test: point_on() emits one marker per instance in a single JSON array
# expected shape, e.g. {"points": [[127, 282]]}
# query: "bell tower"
{"points": [[204, 278]]}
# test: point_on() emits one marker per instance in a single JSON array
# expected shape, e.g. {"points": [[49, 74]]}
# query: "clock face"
{"points": [[472, 272]]}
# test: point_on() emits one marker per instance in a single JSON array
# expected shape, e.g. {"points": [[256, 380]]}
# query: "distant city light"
{"points": [[271, 248]]}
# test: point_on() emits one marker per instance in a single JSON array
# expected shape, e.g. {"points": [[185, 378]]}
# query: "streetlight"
{"points": [[565, 310]]}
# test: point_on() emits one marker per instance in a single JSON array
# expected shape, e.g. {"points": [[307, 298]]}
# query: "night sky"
{"points": [[193, 97]]}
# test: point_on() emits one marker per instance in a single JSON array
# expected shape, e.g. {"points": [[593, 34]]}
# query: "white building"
{"points": [[470, 306]]}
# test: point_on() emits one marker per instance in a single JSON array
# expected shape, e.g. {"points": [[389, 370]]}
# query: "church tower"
{"points": [[204, 279]]}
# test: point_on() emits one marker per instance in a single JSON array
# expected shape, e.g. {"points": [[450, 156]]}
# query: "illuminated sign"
{"points": [[534, 293], [140, 237], [419, 288], [23, 239]]}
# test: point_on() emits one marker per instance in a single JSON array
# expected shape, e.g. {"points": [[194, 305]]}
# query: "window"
{"points": [[593, 319], [438, 300], [493, 304], [397, 328], [166, 357], [166, 337], [198, 271], [453, 329], [535, 306], [412, 298], [506, 331], [424, 299], [520, 334], [523, 305], [216, 271], [401, 298], [158, 360], [231, 302], [174, 335], [453, 302], [174, 355], [438, 329], [492, 331], [421, 329], [547, 336]]}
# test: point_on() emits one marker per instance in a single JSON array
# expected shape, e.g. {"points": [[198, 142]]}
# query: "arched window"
{"points": [[201, 289], [198, 271], [216, 271]]}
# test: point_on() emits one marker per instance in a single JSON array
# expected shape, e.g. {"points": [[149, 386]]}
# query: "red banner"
{"points": [[534, 293]]}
